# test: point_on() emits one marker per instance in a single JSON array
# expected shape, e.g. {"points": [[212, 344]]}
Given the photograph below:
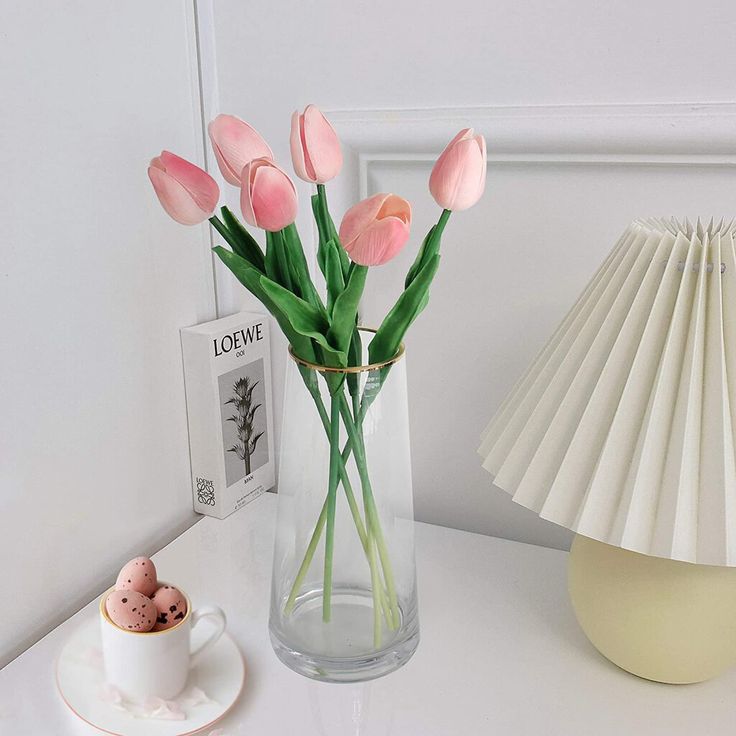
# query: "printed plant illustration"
{"points": [[242, 400]]}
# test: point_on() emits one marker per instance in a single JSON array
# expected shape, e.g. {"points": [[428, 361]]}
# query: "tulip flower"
{"points": [[187, 193], [315, 147], [459, 176], [235, 144], [376, 229], [267, 195]]}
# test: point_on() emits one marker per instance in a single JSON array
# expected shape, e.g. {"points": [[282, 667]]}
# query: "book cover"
{"points": [[227, 375]]}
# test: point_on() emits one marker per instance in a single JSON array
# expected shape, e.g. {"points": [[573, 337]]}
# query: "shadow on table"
{"points": [[545, 606]]}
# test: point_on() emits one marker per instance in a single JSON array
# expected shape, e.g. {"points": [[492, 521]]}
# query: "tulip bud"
{"points": [[235, 144], [267, 195], [315, 147], [459, 176], [376, 229], [187, 193]]}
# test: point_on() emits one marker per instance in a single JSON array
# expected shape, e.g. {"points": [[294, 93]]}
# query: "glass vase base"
{"points": [[343, 649]]}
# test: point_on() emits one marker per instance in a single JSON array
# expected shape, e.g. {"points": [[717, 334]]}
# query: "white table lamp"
{"points": [[622, 430]]}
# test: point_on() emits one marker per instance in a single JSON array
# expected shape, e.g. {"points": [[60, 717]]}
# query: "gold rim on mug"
{"points": [[350, 369], [107, 618]]}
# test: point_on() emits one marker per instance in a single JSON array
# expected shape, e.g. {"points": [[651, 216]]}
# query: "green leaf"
{"points": [[342, 255], [355, 358], [346, 309], [321, 231], [272, 269], [294, 278], [327, 231], [304, 319], [244, 244], [333, 276], [277, 263], [250, 277], [412, 301], [418, 261], [303, 316], [345, 261], [221, 228], [298, 262], [430, 247]]}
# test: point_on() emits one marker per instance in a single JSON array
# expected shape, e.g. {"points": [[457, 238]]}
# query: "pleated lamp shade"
{"points": [[622, 429]]}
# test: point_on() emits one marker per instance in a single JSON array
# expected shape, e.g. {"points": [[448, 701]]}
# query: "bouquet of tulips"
{"points": [[323, 329]]}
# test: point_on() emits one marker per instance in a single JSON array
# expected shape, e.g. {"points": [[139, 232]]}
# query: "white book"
{"points": [[227, 375]]}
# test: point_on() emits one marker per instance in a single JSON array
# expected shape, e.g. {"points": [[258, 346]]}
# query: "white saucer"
{"points": [[80, 680]]}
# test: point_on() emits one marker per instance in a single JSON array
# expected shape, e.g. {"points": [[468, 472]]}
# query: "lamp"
{"points": [[622, 430]]}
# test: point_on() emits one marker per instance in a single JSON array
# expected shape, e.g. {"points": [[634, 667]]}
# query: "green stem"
{"points": [[376, 584], [373, 524], [444, 217], [319, 527], [307, 561], [342, 470], [376, 589], [354, 510], [331, 504], [375, 528], [360, 409], [323, 208], [355, 399]]}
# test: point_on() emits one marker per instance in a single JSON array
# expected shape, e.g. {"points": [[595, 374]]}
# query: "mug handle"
{"points": [[218, 616]]}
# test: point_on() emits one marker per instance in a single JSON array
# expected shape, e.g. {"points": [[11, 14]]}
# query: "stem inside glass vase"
{"points": [[351, 415]]}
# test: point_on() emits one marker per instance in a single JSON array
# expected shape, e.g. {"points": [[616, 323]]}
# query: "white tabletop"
{"points": [[500, 654]]}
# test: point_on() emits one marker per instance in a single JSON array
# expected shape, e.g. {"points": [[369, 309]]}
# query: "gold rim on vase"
{"points": [[350, 369]]}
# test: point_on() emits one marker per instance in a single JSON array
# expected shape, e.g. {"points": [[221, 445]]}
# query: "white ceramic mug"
{"points": [[155, 663]]}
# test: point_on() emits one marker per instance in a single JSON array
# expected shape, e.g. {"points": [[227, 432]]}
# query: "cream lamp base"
{"points": [[660, 619]]}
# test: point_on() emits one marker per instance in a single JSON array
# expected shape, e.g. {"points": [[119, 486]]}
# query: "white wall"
{"points": [[96, 282], [514, 265]]}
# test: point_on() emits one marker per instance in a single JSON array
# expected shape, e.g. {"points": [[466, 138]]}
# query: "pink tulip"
{"points": [[235, 144], [315, 147], [267, 195], [459, 176], [187, 193], [376, 229]]}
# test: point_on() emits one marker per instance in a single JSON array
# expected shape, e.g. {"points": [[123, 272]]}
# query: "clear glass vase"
{"points": [[343, 592]]}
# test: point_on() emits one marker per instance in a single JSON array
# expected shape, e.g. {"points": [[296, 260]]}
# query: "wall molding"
{"points": [[199, 42], [654, 135], [614, 129], [224, 287]]}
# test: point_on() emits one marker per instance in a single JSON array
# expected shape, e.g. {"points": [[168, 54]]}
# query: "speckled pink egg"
{"points": [[130, 610], [171, 607], [140, 575]]}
